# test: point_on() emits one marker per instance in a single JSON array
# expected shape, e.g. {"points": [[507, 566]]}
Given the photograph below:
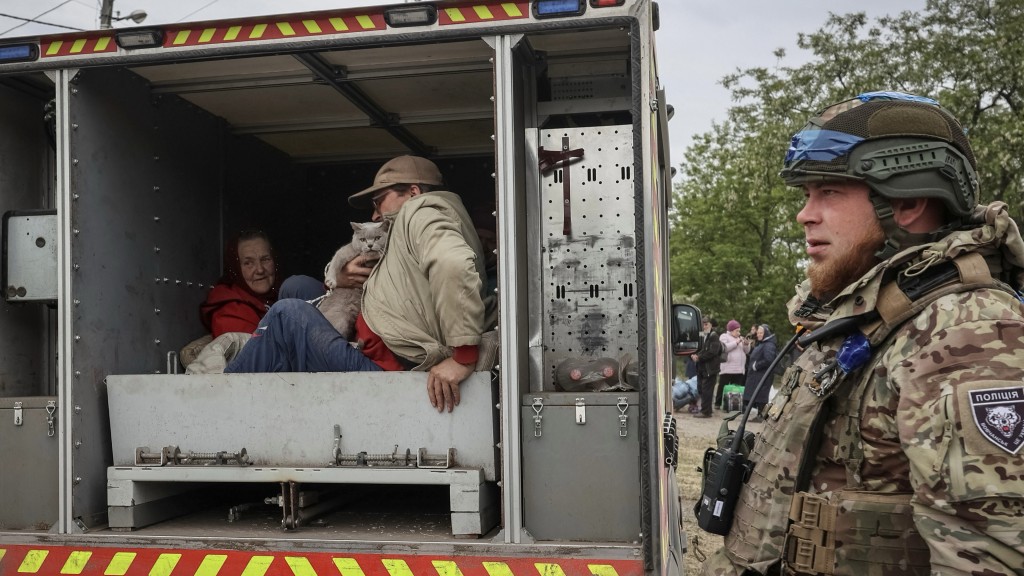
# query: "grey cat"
{"points": [[341, 305]]}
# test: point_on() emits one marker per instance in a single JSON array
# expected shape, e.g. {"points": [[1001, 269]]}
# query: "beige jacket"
{"points": [[427, 294]]}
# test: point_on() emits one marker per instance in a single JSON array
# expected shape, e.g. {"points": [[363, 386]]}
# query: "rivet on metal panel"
{"points": [[76, 266], [165, 280], [74, 91], [492, 137], [77, 337], [156, 158], [77, 302], [156, 310], [495, 213], [156, 341], [188, 283], [75, 196], [74, 161], [156, 188], [78, 374], [156, 249], [177, 282], [78, 480], [78, 409], [493, 175], [156, 218], [492, 98], [75, 231], [78, 443]]}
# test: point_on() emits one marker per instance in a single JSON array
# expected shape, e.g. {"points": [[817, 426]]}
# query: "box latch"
{"points": [[17, 414]]}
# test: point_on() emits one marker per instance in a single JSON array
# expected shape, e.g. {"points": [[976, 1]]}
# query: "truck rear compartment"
{"points": [[167, 161]]}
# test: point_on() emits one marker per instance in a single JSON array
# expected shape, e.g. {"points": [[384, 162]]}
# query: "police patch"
{"points": [[999, 415]]}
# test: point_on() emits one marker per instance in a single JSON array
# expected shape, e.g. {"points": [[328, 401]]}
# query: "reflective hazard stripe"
{"points": [[52, 560], [275, 29], [81, 46], [483, 12]]}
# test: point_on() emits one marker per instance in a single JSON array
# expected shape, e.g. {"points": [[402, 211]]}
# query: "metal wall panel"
{"points": [[30, 256], [25, 184], [145, 180], [588, 277]]}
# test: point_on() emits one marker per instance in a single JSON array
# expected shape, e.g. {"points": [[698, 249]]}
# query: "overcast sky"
{"points": [[700, 40]]}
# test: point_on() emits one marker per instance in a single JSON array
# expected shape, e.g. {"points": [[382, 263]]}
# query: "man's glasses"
{"points": [[376, 200]]}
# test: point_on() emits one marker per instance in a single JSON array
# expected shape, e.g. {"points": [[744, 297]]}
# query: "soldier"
{"points": [[894, 445]]}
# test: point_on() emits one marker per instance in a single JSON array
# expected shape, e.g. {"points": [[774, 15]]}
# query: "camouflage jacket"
{"points": [[920, 463]]}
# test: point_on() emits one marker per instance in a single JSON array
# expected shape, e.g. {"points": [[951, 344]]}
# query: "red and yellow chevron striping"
{"points": [[273, 30], [97, 561], [483, 12], [71, 46]]}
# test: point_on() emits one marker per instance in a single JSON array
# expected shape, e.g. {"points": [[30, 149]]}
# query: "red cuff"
{"points": [[466, 354]]}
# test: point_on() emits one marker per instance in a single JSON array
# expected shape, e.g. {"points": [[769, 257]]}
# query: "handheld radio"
{"points": [[726, 469]]}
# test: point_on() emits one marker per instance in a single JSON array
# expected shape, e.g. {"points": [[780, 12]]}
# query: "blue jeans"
{"points": [[295, 337], [301, 287]]}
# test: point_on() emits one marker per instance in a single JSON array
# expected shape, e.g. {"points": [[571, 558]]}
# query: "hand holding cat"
{"points": [[443, 383], [354, 273]]}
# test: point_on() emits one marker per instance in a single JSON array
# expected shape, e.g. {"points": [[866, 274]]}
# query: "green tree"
{"points": [[737, 250]]}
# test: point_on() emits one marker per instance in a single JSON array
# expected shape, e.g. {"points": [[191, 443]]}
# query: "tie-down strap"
{"points": [[549, 160]]}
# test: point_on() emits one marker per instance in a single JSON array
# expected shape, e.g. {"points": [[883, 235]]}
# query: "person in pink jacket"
{"points": [[732, 368]]}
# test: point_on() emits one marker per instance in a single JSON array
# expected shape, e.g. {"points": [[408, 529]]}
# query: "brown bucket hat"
{"points": [[400, 170]]}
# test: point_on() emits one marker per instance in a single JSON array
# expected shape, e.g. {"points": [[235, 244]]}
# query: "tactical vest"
{"points": [[780, 526]]}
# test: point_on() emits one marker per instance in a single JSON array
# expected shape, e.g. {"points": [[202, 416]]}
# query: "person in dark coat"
{"points": [[708, 359], [760, 358]]}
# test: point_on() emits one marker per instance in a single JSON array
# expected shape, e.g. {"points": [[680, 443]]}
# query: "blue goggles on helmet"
{"points": [[813, 143]]}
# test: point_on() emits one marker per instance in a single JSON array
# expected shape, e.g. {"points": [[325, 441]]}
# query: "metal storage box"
{"points": [[561, 488], [28, 463], [288, 419]]}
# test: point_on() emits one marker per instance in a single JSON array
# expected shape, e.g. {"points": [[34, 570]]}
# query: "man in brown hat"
{"points": [[424, 304]]}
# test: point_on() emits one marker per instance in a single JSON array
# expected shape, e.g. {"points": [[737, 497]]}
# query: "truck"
{"points": [[129, 156]]}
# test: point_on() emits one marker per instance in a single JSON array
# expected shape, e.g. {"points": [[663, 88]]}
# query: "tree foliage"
{"points": [[737, 249]]}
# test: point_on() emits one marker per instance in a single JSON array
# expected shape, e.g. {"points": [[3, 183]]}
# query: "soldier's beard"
{"points": [[841, 268]]}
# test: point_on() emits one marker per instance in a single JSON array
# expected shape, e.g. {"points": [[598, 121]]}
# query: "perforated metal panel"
{"points": [[589, 274]]}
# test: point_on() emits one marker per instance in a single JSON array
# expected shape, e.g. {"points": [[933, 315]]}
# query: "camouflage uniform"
{"points": [[920, 466]]}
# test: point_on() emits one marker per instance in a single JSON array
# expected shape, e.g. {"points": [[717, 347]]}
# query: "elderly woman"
{"points": [[760, 358], [249, 286]]}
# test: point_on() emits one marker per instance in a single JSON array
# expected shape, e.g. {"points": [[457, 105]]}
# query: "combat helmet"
{"points": [[901, 146]]}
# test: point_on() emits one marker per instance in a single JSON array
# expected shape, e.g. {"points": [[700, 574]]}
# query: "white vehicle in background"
{"points": [[128, 156]]}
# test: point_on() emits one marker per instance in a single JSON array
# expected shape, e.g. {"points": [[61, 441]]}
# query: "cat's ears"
{"points": [[356, 226]]}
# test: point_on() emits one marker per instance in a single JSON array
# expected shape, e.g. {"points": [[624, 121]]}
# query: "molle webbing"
{"points": [[856, 533]]}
